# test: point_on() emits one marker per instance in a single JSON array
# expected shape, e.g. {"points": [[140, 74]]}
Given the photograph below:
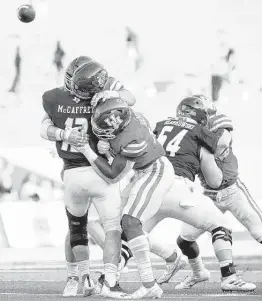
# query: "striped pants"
{"points": [[236, 199], [144, 195]]}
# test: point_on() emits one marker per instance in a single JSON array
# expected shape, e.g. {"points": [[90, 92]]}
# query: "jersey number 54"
{"points": [[171, 146]]}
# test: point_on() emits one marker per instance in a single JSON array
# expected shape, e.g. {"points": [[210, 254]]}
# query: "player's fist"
{"points": [[103, 146], [103, 96], [75, 136]]}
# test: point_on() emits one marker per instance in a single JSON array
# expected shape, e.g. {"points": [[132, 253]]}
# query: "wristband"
{"points": [[90, 154], [59, 134]]}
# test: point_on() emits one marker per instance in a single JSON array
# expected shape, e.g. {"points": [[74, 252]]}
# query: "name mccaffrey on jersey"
{"points": [[180, 123], [74, 110]]}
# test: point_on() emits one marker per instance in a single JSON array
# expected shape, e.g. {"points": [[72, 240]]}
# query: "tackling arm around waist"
{"points": [[113, 173]]}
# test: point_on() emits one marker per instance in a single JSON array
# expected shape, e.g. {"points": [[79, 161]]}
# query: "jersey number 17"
{"points": [[171, 146]]}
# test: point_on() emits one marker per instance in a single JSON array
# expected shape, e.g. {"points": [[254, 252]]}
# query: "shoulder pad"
{"points": [[114, 84], [220, 121], [134, 149]]}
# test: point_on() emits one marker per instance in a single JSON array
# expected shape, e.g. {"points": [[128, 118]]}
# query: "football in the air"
{"points": [[26, 13]]}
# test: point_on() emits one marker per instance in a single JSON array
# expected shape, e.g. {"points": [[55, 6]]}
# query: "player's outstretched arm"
{"points": [[211, 172], [113, 173]]}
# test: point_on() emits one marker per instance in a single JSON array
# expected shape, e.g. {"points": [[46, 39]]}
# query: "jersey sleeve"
{"points": [[115, 85], [207, 139], [134, 149], [47, 103], [157, 129], [220, 121]]}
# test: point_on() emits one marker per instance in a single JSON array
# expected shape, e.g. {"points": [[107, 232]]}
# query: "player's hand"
{"points": [[81, 147], [103, 96], [103, 146], [75, 136]]}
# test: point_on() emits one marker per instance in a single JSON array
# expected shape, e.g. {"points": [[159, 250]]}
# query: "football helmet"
{"points": [[88, 79], [193, 107], [71, 69], [110, 117]]}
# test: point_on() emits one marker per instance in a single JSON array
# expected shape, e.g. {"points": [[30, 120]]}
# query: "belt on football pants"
{"points": [[216, 195]]}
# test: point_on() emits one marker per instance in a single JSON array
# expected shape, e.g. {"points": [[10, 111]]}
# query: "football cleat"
{"points": [[154, 292], [172, 268], [71, 287], [107, 290], [193, 279], [235, 283], [89, 287]]}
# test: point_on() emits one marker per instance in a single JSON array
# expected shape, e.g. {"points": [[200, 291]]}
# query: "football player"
{"points": [[231, 195], [188, 158], [154, 186], [67, 121]]}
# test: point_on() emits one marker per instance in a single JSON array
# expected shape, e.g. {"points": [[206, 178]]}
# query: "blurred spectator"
{"points": [[58, 59], [132, 47], [29, 188], [222, 67], [5, 178], [17, 71]]}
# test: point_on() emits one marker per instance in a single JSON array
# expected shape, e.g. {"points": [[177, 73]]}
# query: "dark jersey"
{"points": [[137, 142], [64, 110], [182, 140]]}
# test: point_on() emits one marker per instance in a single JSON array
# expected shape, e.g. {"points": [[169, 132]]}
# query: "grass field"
{"points": [[42, 283]]}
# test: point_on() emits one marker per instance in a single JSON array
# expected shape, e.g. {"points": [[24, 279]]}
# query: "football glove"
{"points": [[103, 96]]}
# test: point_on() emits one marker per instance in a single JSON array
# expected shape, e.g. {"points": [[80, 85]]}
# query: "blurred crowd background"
{"points": [[162, 50]]}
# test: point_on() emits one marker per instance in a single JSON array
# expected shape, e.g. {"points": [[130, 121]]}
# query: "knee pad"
{"points": [[131, 226], [77, 229], [111, 224], [221, 233], [188, 248]]}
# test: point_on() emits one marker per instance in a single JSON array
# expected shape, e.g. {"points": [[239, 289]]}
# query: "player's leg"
{"points": [[247, 212], [144, 201], [108, 207], [77, 204], [186, 241], [174, 259], [198, 210]]}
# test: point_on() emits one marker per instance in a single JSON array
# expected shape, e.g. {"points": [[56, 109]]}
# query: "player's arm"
{"points": [[211, 140], [127, 96], [50, 132], [113, 173], [223, 143], [211, 172]]}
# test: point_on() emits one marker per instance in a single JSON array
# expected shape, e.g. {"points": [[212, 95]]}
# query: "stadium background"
{"points": [[177, 43]]}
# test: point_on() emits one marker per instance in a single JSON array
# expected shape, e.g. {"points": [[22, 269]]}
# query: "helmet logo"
{"points": [[100, 79], [113, 121]]}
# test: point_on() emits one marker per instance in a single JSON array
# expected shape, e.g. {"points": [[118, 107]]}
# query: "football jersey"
{"points": [[182, 139], [228, 164], [64, 110], [137, 142]]}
